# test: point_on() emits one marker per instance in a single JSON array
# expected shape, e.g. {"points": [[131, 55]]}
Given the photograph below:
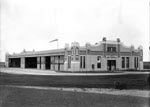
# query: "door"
{"points": [[111, 65]]}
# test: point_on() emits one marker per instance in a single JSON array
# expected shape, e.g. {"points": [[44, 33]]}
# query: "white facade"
{"points": [[105, 56]]}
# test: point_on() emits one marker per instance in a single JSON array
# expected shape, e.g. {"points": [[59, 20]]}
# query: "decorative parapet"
{"points": [[75, 51]]}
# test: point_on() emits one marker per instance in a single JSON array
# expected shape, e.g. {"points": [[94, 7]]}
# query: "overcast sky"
{"points": [[31, 24]]}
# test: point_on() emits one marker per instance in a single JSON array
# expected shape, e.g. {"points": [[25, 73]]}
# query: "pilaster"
{"points": [[23, 62], [43, 62], [38, 62]]}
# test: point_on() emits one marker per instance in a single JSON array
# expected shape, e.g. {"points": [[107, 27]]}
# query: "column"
{"points": [[43, 62], [66, 60], [6, 61], [104, 63], [23, 62], [118, 63], [38, 62], [88, 63], [141, 65], [132, 62]]}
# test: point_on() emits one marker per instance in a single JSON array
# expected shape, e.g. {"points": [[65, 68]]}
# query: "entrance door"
{"points": [[111, 65]]}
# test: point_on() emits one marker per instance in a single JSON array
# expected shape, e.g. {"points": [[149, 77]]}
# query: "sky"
{"points": [[31, 24]]}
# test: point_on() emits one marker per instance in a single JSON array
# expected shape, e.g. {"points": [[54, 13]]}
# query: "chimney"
{"points": [[104, 39], [118, 39]]}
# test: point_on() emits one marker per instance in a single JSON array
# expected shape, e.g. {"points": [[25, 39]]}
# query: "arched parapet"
{"points": [[72, 57]]}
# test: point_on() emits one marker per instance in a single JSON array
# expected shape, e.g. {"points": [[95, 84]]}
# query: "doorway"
{"points": [[48, 63], [111, 65], [14, 62], [31, 62]]}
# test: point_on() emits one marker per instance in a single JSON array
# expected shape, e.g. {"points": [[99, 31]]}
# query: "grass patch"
{"points": [[20, 97], [132, 81]]}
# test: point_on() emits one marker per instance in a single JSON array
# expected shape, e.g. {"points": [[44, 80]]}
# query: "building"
{"points": [[104, 56]]}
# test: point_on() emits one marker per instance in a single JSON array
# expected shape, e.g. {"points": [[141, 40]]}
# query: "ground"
{"points": [[34, 77], [40, 93], [31, 97]]}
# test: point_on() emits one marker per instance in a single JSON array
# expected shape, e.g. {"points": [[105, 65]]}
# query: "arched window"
{"points": [[72, 51], [77, 51], [98, 61]]}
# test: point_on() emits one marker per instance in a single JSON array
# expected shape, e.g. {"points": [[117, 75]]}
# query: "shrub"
{"points": [[119, 85]]}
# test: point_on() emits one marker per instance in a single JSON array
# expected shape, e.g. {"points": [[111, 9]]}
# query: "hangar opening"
{"points": [[48, 63], [31, 62], [14, 62]]}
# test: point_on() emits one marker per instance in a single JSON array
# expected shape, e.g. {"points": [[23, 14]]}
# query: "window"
{"points": [[72, 51], [134, 62], [52, 60], [137, 62], [111, 49], [62, 59], [82, 61], [56, 60], [77, 51], [93, 66], [123, 62], [40, 62], [98, 65], [98, 61], [127, 62]]}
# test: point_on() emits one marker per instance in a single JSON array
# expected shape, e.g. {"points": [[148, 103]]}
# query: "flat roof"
{"points": [[43, 53]]}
